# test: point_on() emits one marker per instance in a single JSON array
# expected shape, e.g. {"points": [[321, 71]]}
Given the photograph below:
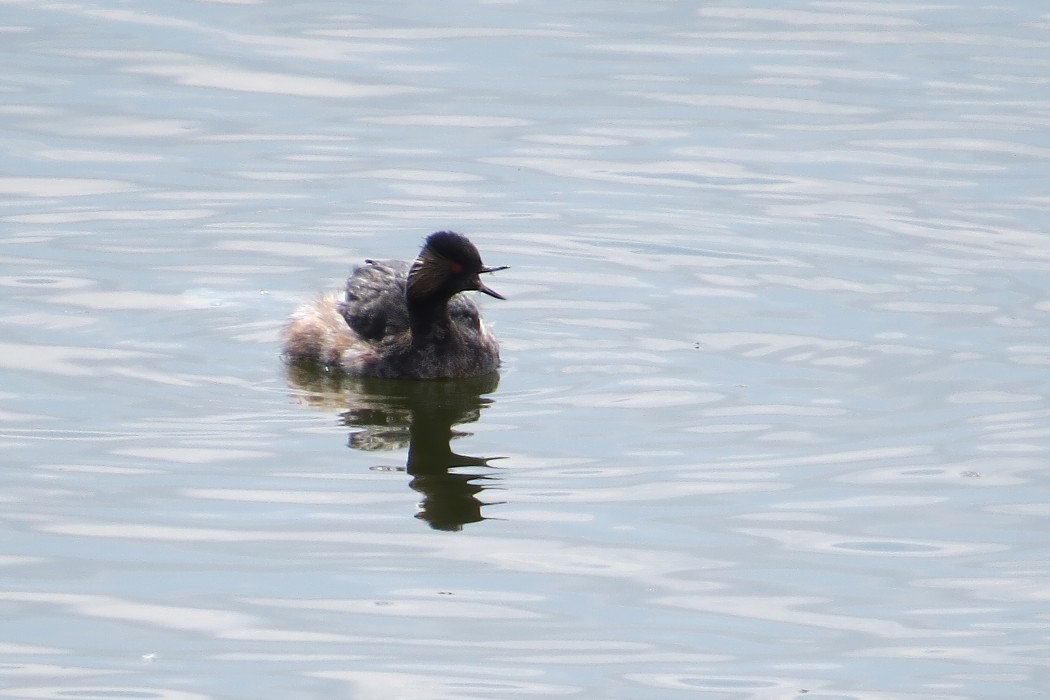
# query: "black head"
{"points": [[448, 264]]}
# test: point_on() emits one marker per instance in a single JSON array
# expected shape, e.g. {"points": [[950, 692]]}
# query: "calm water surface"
{"points": [[773, 420]]}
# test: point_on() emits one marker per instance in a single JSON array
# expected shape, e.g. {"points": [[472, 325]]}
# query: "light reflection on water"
{"points": [[772, 418]]}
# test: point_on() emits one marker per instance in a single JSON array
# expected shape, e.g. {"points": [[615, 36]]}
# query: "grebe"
{"points": [[398, 320]]}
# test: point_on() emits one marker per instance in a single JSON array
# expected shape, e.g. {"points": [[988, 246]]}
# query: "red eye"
{"points": [[456, 267]]}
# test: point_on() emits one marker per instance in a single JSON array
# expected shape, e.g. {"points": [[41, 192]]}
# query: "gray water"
{"points": [[772, 420]]}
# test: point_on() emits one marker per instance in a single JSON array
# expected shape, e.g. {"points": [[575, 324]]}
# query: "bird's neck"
{"points": [[428, 317]]}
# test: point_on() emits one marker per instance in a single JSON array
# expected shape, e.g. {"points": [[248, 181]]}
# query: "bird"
{"points": [[401, 320]]}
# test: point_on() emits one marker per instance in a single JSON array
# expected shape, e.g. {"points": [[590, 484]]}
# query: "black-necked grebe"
{"points": [[403, 321]]}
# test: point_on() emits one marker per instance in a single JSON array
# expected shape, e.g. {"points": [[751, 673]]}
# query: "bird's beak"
{"points": [[485, 290]]}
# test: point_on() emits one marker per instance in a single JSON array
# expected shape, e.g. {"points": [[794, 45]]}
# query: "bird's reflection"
{"points": [[391, 414]]}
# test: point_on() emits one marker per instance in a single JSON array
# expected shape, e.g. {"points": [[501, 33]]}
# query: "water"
{"points": [[772, 417]]}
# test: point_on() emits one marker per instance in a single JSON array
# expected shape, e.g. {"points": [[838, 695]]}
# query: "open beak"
{"points": [[485, 290]]}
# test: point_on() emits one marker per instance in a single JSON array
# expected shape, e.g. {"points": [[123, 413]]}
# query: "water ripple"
{"points": [[774, 379]]}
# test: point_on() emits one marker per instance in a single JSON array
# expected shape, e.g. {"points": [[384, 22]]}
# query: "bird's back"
{"points": [[374, 306]]}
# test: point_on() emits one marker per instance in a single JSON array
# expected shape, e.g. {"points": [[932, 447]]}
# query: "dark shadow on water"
{"points": [[387, 414]]}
